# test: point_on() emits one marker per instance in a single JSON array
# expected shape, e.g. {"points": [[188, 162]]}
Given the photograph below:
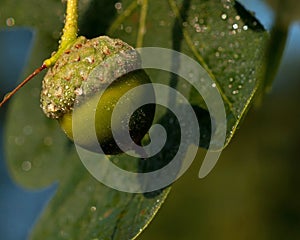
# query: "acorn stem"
{"points": [[70, 31], [68, 37], [10, 94]]}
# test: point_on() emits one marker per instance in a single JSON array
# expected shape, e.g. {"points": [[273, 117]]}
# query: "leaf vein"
{"points": [[188, 40]]}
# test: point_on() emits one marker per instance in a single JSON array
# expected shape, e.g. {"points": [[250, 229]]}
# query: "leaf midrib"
{"points": [[129, 10]]}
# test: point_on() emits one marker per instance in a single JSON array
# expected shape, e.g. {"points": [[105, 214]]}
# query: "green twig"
{"points": [[69, 32], [69, 36]]}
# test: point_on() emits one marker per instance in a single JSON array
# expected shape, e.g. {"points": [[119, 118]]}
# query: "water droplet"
{"points": [[26, 166], [233, 32], [93, 209], [213, 85], [118, 6], [235, 92], [235, 26], [128, 29], [50, 108], [224, 16], [245, 27], [198, 28], [10, 22], [237, 17], [88, 59]]}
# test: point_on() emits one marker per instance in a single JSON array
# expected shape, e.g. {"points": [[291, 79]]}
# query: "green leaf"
{"points": [[226, 39], [230, 44], [38, 152]]}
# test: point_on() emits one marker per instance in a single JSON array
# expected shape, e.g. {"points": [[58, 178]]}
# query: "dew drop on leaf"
{"points": [[10, 22], [224, 16], [245, 27], [26, 166], [93, 209], [235, 26], [118, 6]]}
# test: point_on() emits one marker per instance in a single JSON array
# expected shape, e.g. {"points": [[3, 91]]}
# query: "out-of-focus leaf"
{"points": [[287, 11]]}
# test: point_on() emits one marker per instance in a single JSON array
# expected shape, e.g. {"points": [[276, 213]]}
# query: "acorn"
{"points": [[78, 72], [118, 70]]}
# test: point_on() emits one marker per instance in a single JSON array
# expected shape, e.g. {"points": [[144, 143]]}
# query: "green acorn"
{"points": [[81, 68], [67, 80]]}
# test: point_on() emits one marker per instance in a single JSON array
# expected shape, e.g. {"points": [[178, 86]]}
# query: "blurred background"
{"points": [[252, 193]]}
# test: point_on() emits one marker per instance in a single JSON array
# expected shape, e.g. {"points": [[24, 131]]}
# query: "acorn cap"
{"points": [[66, 79]]}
